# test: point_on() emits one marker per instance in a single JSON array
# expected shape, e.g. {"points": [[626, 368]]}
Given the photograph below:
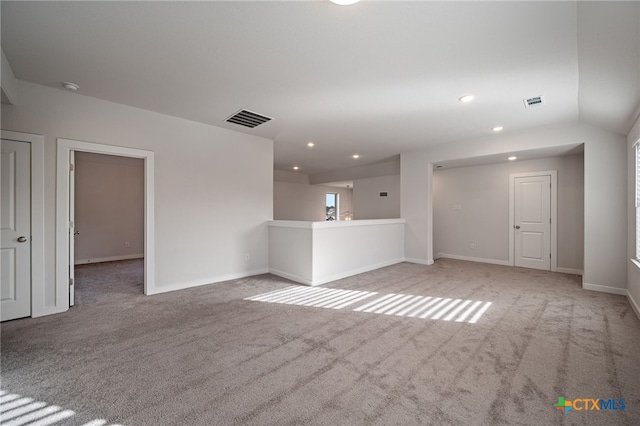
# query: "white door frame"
{"points": [[554, 214], [65, 146], [38, 307], [72, 227]]}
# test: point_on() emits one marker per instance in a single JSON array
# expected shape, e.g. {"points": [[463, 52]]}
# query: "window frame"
{"points": [[336, 213]]}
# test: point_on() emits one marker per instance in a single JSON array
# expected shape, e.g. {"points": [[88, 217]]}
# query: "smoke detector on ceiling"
{"points": [[248, 119], [72, 87], [536, 101]]}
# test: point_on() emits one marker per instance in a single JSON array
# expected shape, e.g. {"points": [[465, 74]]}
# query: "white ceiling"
{"points": [[375, 78], [520, 156]]}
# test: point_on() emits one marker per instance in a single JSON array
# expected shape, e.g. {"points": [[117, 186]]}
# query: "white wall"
{"points": [[364, 246], [633, 270], [416, 206], [109, 207], [291, 251], [605, 229], [306, 252], [213, 187], [482, 193], [295, 199], [605, 215], [367, 204]]}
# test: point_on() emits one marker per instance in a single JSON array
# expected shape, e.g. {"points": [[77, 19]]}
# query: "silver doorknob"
{"points": [[76, 233], [22, 239], [517, 226]]}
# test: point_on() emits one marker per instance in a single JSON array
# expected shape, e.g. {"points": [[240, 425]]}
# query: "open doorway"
{"points": [[109, 226], [65, 225]]}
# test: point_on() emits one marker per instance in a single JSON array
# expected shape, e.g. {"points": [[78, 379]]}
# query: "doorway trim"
{"points": [[554, 214], [38, 307], [65, 146]]}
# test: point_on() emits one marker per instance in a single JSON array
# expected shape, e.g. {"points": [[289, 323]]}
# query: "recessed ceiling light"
{"points": [[311, 144], [296, 168], [356, 155], [344, 2], [72, 87], [513, 157], [466, 98], [498, 129]]}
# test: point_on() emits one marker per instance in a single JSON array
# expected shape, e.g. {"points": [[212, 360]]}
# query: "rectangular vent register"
{"points": [[248, 119]]}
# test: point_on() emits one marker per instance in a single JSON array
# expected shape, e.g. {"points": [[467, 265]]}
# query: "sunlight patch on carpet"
{"points": [[405, 305], [16, 410]]}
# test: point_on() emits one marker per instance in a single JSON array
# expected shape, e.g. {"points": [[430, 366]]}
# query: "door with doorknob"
{"points": [[532, 222], [15, 217]]}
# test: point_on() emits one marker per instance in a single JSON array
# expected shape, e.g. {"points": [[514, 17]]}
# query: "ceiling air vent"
{"points": [[533, 102], [247, 119]]}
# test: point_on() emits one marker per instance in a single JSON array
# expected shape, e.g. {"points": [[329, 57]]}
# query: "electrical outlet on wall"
{"points": [[246, 256], [127, 244], [472, 245]]}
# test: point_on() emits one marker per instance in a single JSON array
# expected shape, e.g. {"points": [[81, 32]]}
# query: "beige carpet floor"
{"points": [[207, 356]]}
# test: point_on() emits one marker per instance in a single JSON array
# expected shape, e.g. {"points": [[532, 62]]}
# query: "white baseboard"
{"points": [[212, 280], [570, 271], [474, 259], [49, 310], [109, 259], [419, 261], [356, 271], [634, 304], [292, 277], [501, 262], [328, 279], [605, 289]]}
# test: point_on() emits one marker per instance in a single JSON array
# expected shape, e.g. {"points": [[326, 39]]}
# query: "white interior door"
{"points": [[532, 222], [72, 225], [15, 216]]}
